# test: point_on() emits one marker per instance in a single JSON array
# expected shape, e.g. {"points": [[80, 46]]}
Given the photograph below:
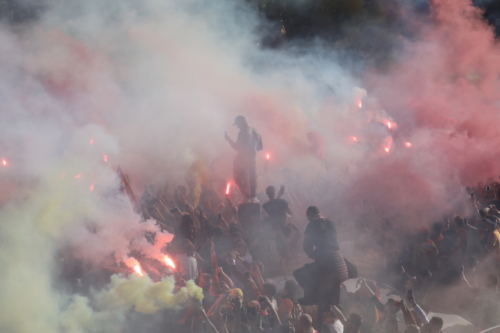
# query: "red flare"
{"points": [[268, 156], [387, 149], [105, 158], [91, 141], [228, 187], [408, 144], [389, 125], [170, 263], [355, 139], [138, 270], [360, 104], [4, 162], [91, 188], [78, 175]]}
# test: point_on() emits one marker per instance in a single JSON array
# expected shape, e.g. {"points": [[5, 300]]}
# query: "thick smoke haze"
{"points": [[151, 86]]}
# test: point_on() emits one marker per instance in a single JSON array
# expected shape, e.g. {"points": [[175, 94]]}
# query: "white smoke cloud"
{"points": [[154, 85]]}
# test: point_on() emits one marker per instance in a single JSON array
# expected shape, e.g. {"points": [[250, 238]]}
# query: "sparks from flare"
{"points": [[228, 187], [408, 144], [138, 270], [78, 175], [170, 263], [4, 162], [105, 158]]}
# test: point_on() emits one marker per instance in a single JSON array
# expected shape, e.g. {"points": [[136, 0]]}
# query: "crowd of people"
{"points": [[450, 266], [230, 245], [234, 245]]}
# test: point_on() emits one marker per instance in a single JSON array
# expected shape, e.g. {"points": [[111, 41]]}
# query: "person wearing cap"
{"points": [[247, 145]]}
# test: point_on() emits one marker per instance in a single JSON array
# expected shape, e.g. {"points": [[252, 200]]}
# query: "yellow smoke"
{"points": [[147, 297]]}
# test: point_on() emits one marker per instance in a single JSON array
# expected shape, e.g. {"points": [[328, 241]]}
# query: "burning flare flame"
{"points": [[408, 144], [4, 162], [170, 263], [228, 187], [268, 156], [387, 150], [360, 104], [355, 139], [138, 270]]}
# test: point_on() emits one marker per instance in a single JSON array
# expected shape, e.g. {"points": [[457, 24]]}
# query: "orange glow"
{"points": [[268, 156], [4, 162], [228, 187], [78, 175], [105, 158], [408, 144], [169, 262], [91, 188], [138, 270], [91, 141], [360, 104]]}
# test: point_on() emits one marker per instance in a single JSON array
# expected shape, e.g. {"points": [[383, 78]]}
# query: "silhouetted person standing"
{"points": [[247, 145]]}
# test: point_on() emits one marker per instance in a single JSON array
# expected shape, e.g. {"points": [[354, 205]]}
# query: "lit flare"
{"points": [[360, 104], [170, 263], [4, 162], [228, 187], [138, 270], [268, 156], [408, 144]]}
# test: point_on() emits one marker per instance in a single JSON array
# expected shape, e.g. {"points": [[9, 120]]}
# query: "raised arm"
{"points": [[231, 142]]}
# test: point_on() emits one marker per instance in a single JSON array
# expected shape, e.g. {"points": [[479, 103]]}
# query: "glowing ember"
{"points": [[169, 262], [360, 104], [91, 141], [4, 162], [105, 158], [228, 187], [138, 270], [78, 175], [267, 156], [386, 150], [408, 144], [91, 188]]}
